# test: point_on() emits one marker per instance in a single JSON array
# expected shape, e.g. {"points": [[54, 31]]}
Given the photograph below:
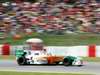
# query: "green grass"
{"points": [[59, 40], [34, 73], [5, 57], [91, 59]]}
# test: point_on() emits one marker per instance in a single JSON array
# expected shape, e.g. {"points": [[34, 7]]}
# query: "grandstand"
{"points": [[49, 16]]}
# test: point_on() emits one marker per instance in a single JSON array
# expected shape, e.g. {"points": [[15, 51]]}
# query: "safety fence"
{"points": [[84, 51]]}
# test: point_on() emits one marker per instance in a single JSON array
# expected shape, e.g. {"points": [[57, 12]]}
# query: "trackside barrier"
{"points": [[72, 50], [92, 50], [84, 51], [6, 49], [0, 49], [97, 51]]}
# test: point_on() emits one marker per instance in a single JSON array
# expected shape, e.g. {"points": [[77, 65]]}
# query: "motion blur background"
{"points": [[25, 18]]}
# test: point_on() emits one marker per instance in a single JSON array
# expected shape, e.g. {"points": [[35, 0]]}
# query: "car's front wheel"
{"points": [[67, 62]]}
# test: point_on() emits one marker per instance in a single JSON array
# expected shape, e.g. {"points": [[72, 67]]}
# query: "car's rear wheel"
{"points": [[21, 61], [57, 63]]}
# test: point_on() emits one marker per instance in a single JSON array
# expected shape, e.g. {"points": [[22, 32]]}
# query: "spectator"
{"points": [[48, 15]]}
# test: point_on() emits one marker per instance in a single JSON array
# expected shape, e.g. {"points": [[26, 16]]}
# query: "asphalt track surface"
{"points": [[88, 68]]}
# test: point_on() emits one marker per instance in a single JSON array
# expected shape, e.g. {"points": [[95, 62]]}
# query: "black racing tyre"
{"points": [[57, 63], [21, 61], [67, 62]]}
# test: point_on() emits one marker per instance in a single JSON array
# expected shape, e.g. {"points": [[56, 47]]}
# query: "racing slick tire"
{"points": [[57, 63], [21, 61], [67, 62]]}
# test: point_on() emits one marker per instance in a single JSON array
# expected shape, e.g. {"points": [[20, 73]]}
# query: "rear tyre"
{"points": [[57, 63], [21, 61]]}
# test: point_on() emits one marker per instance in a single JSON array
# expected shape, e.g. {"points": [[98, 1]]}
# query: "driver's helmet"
{"points": [[35, 44]]}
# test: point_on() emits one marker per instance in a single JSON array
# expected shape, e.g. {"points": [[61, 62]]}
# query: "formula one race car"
{"points": [[39, 57], [36, 56]]}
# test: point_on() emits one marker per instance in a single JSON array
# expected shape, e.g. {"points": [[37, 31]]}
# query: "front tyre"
{"points": [[67, 62]]}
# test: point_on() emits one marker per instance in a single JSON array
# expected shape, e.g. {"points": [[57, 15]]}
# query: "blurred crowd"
{"points": [[50, 16]]}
